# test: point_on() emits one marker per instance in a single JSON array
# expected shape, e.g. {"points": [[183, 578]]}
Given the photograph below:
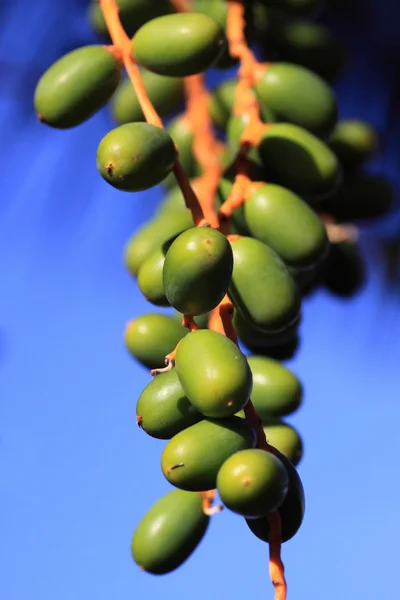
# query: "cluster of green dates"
{"points": [[307, 163]]}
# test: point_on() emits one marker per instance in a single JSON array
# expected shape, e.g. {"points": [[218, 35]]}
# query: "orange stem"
{"points": [[276, 567]]}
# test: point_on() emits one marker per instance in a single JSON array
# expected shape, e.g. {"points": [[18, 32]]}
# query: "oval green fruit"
{"points": [[179, 45], [152, 235], [238, 223], [197, 270], [221, 103], [214, 373], [192, 459], [165, 94], [353, 141], [218, 10], [132, 13], [291, 510], [297, 95], [261, 286], [135, 156], [150, 278], [285, 438], [276, 390], [76, 86], [252, 483], [150, 337], [282, 220], [298, 160], [163, 410], [169, 532], [180, 130]]}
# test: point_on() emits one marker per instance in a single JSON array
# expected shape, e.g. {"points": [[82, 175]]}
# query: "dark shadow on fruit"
{"points": [[360, 197], [345, 274], [287, 163]]}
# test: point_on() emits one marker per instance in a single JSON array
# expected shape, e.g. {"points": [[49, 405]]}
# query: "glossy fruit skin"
{"points": [[169, 532], [150, 278], [218, 10], [214, 373], [163, 407], [311, 45], [181, 132], [298, 160], [150, 337], [152, 235], [192, 459], [252, 483], [297, 95], [132, 13], [76, 86], [135, 156], [276, 390], [285, 438], [197, 270], [353, 141], [259, 273], [282, 220], [194, 42], [165, 93], [291, 510]]}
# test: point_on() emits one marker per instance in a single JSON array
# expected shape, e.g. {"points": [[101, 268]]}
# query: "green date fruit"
{"points": [[252, 483], [291, 510], [150, 337], [163, 410], [282, 220], [353, 141], [296, 159], [76, 86], [221, 103], [197, 270], [276, 390], [169, 532], [297, 95], [218, 10], [200, 320], [152, 235], [285, 438], [192, 459], [132, 13], [179, 45], [165, 94], [214, 373], [135, 156], [150, 277], [262, 288]]}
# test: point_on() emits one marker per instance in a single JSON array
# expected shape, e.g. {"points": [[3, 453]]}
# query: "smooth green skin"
{"points": [[165, 94], [297, 95], [282, 220], [181, 132], [163, 407], [261, 286], [152, 235], [150, 278], [252, 483], [298, 160], [133, 14], [179, 45], [150, 337], [192, 459], [200, 320], [169, 532], [360, 197], [221, 103], [276, 390], [171, 202], [135, 156], [281, 346], [285, 438], [218, 10], [238, 224], [354, 142], [311, 45], [235, 127], [291, 510], [76, 86], [197, 270], [214, 373]]}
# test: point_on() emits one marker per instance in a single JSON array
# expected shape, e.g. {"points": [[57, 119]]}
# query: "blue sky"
{"points": [[76, 475]]}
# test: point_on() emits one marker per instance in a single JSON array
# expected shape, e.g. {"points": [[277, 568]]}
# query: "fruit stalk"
{"points": [[122, 43]]}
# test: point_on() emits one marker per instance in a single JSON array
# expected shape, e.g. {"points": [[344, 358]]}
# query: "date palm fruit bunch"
{"points": [[219, 410]]}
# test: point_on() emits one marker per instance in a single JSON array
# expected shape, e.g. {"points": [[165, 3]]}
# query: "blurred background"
{"points": [[76, 474]]}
